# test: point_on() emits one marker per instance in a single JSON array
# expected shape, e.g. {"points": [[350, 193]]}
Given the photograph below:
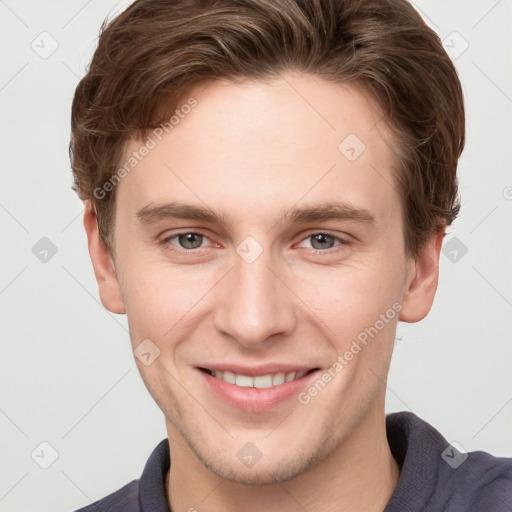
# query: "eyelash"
{"points": [[167, 242]]}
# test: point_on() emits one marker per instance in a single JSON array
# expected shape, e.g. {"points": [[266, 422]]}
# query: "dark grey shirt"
{"points": [[434, 476]]}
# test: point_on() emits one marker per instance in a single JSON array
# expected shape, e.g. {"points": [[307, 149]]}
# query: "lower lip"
{"points": [[255, 399]]}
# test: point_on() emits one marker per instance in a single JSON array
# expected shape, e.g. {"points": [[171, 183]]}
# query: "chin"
{"points": [[268, 470], [269, 473]]}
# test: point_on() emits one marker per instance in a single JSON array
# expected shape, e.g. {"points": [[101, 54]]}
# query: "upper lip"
{"points": [[255, 371]]}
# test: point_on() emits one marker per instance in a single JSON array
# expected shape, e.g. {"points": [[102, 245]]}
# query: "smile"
{"points": [[256, 390], [260, 381]]}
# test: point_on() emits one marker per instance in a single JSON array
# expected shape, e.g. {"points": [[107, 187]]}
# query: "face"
{"points": [[255, 244]]}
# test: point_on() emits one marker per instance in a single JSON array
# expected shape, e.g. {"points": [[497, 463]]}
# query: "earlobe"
{"points": [[422, 281], [104, 269]]}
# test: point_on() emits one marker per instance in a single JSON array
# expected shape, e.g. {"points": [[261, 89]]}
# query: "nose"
{"points": [[254, 303]]}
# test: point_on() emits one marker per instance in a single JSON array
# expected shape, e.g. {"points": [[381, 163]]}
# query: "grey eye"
{"points": [[322, 241], [190, 240]]}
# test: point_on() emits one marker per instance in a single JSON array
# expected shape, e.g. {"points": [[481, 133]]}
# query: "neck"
{"points": [[359, 475]]}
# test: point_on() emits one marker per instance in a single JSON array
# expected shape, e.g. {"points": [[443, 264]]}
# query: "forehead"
{"points": [[275, 142]]}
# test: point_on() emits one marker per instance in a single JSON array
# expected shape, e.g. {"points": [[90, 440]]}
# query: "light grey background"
{"points": [[68, 376]]}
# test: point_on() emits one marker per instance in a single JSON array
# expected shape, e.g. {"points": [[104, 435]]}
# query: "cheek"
{"points": [[353, 297], [160, 299]]}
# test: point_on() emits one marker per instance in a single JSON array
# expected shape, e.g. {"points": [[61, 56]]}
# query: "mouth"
{"points": [[265, 381], [256, 389]]}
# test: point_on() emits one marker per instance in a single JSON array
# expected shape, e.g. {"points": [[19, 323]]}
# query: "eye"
{"points": [[323, 241], [191, 240], [187, 241]]}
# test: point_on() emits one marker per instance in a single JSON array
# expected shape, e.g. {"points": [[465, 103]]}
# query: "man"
{"points": [[267, 186]]}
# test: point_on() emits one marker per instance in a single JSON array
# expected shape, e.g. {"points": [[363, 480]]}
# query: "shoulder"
{"points": [[439, 476], [125, 499], [485, 480]]}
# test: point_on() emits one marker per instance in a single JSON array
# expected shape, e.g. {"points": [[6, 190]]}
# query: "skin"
{"points": [[252, 152]]}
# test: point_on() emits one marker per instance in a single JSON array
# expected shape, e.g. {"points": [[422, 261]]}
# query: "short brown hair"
{"points": [[156, 50]]}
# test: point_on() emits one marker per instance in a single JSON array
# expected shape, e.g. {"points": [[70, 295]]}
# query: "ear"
{"points": [[104, 269], [422, 279]]}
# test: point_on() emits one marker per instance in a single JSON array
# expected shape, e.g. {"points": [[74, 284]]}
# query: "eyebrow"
{"points": [[154, 213]]}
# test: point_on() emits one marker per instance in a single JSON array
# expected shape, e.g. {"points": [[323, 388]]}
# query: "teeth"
{"points": [[228, 377], [278, 378], [290, 376], [261, 381], [244, 381]]}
